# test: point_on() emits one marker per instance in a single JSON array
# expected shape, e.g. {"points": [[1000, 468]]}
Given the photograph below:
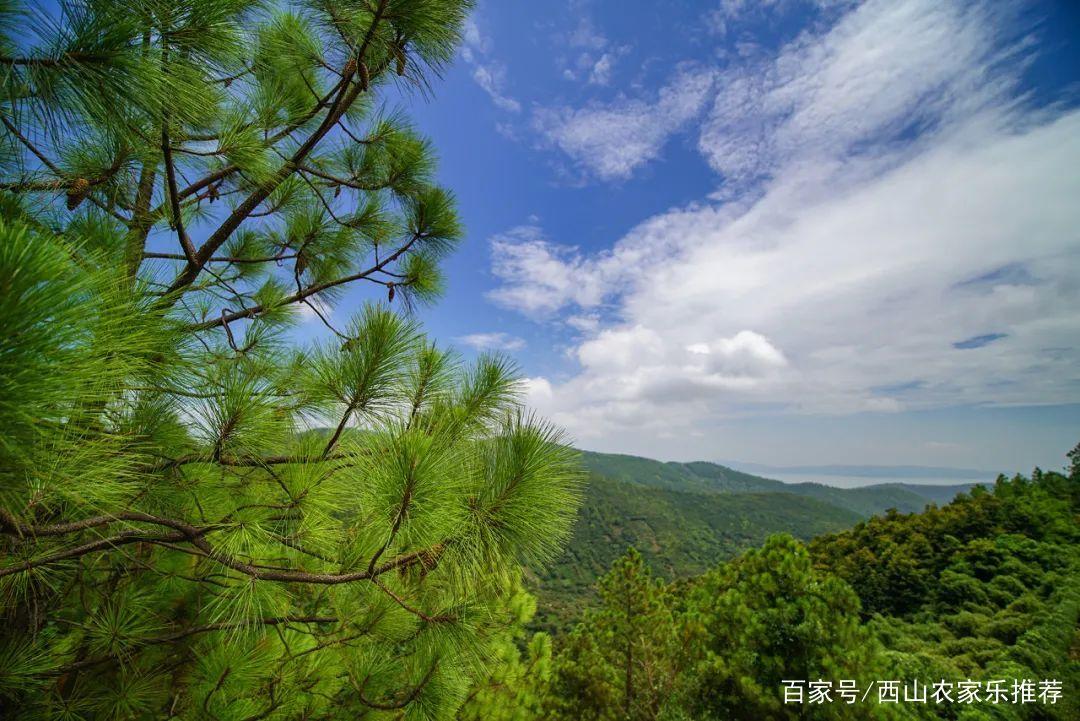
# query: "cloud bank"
{"points": [[894, 229]]}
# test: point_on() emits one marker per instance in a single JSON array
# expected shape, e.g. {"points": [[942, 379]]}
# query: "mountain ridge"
{"points": [[855, 470], [708, 477], [686, 517]]}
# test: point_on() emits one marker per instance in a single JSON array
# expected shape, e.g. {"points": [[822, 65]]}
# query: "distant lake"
{"points": [[848, 481]]}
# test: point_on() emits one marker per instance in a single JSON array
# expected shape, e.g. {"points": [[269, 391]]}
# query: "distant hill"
{"points": [[883, 472], [713, 478], [680, 533], [686, 517]]}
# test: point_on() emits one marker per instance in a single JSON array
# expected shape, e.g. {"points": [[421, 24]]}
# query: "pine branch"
{"points": [[366, 274], [223, 259], [188, 633], [78, 188], [104, 544], [190, 534], [173, 195], [401, 703], [443, 618], [346, 97]]}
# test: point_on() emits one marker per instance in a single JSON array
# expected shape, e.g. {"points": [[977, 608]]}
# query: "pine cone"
{"points": [[390, 292], [77, 192], [365, 76]]}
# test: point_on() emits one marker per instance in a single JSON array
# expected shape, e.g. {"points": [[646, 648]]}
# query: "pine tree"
{"points": [[623, 659], [768, 617], [200, 518], [513, 688]]}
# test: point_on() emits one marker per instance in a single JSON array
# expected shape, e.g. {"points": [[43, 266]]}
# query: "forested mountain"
{"points": [[883, 473], [713, 478], [679, 533], [982, 594], [685, 517]]}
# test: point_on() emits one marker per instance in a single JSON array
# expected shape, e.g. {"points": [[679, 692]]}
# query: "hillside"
{"points": [[986, 587], [680, 533], [684, 517], [707, 477]]}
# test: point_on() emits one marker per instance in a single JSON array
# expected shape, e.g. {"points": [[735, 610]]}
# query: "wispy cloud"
{"points": [[594, 69], [584, 34], [726, 13], [538, 277], [611, 140], [490, 74], [885, 73], [492, 341], [590, 55]]}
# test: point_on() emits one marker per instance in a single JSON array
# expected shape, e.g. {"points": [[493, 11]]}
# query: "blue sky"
{"points": [[787, 232]]}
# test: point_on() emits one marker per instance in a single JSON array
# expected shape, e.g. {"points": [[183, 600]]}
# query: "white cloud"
{"points": [[612, 140], [719, 19], [491, 77], [593, 68], [867, 247], [885, 69], [489, 74], [600, 74], [589, 55], [539, 277], [492, 341], [314, 307], [474, 39], [584, 34], [586, 323]]}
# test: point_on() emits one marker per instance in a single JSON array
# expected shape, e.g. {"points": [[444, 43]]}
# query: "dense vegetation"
{"points": [[685, 517], [679, 534], [179, 179], [987, 587], [703, 477]]}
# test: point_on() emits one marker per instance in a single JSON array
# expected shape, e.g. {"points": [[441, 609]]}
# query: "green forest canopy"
{"points": [[985, 589]]}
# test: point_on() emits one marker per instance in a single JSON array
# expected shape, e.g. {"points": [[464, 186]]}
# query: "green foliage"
{"points": [[516, 682], [717, 647], [679, 534], [623, 659], [200, 519], [984, 588], [193, 549], [768, 616]]}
